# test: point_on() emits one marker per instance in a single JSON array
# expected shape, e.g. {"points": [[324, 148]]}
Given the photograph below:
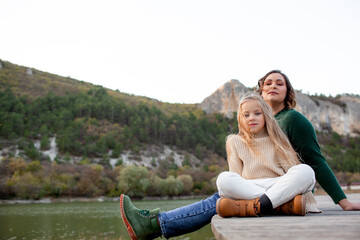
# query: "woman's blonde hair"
{"points": [[282, 146]]}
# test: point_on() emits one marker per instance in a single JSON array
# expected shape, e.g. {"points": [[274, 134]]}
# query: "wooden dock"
{"points": [[332, 223]]}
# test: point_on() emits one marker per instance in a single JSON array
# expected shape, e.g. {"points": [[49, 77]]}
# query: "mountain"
{"points": [[33, 83], [46, 116], [225, 99], [340, 114]]}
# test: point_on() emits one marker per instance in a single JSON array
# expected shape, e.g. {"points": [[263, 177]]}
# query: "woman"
{"points": [[276, 90], [264, 170]]}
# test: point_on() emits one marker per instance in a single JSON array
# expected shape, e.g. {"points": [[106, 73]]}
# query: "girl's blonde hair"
{"points": [[282, 146]]}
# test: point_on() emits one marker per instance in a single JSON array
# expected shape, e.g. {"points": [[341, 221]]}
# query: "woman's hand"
{"points": [[346, 205]]}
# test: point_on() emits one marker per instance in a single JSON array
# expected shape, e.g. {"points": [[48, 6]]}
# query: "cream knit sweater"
{"points": [[251, 166], [263, 165]]}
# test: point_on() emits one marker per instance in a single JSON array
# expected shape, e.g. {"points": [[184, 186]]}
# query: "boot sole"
{"points": [[303, 205], [300, 205], [218, 207], [125, 220]]}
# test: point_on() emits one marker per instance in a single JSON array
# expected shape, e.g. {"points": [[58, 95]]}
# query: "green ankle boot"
{"points": [[140, 224]]}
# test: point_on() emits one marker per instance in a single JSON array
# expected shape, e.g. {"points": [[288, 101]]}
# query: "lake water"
{"points": [[79, 220]]}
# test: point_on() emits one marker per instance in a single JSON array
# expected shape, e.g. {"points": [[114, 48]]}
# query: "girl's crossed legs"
{"points": [[298, 180]]}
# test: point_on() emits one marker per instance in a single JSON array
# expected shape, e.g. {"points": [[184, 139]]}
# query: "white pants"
{"points": [[298, 180]]}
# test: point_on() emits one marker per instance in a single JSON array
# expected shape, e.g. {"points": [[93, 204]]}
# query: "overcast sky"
{"points": [[182, 51]]}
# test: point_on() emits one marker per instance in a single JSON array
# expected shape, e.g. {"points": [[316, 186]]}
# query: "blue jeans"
{"points": [[188, 218]]}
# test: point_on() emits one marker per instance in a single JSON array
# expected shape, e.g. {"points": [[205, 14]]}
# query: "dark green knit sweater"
{"points": [[302, 136]]}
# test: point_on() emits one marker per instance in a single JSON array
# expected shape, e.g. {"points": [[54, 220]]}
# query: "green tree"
{"points": [[34, 166], [188, 183], [45, 143], [134, 181], [174, 186], [32, 152], [26, 186]]}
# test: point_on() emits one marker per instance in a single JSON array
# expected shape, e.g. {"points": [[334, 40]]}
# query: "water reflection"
{"points": [[96, 220]]}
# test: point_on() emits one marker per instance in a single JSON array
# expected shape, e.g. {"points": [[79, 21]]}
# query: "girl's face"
{"points": [[274, 89], [253, 118]]}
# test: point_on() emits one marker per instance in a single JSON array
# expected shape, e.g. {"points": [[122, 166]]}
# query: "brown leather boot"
{"points": [[295, 206], [226, 207]]}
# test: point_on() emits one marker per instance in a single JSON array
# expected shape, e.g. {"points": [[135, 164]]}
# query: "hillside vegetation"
{"points": [[95, 124]]}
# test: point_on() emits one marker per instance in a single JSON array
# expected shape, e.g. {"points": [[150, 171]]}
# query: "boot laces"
{"points": [[145, 213]]}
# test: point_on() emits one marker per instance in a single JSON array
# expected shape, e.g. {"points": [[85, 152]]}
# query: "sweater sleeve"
{"points": [[303, 138], [235, 163]]}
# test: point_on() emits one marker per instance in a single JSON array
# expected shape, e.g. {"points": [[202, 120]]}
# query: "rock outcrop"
{"points": [[225, 100], [341, 115]]}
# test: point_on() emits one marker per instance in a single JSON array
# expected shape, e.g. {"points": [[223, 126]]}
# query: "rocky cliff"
{"points": [[341, 115], [225, 99]]}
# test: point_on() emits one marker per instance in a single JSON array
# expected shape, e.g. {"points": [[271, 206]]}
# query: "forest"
{"points": [[91, 124]]}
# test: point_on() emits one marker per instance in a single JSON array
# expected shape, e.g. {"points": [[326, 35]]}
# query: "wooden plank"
{"points": [[333, 223]]}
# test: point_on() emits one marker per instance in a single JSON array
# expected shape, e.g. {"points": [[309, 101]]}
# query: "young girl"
{"points": [[265, 175]]}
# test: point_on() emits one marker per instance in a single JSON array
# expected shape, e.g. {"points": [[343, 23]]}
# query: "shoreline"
{"points": [[94, 199], [49, 200], [56, 200]]}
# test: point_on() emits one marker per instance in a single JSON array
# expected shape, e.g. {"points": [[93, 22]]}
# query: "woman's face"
{"points": [[274, 89], [253, 118]]}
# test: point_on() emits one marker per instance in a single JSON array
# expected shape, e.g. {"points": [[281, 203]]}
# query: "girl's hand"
{"points": [[349, 206]]}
